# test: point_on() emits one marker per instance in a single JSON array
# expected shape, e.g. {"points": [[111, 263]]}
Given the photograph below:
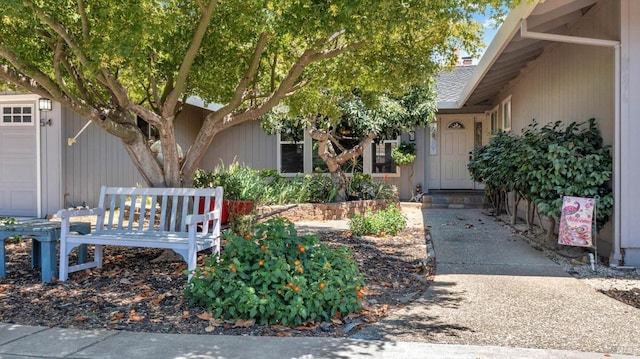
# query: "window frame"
{"points": [[494, 119], [507, 113], [368, 158], [31, 107]]}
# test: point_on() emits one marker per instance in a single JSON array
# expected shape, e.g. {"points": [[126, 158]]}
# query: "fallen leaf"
{"points": [[136, 318], [284, 334], [242, 323], [185, 314], [155, 320], [117, 315], [125, 281], [79, 319], [205, 316]]}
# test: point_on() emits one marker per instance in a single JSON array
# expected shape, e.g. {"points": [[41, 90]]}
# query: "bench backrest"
{"points": [[155, 209]]}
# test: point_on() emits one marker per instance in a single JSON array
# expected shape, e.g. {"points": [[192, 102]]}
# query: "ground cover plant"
{"points": [[275, 276], [389, 221], [267, 187]]}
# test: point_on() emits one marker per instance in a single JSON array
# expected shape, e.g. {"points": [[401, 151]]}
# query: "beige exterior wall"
{"points": [[96, 159], [570, 82], [630, 132]]}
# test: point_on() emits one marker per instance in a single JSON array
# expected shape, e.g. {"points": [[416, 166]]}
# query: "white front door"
{"points": [[457, 143]]}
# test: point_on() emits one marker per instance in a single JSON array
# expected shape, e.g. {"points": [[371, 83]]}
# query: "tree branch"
{"points": [[189, 57], [85, 21], [108, 81]]}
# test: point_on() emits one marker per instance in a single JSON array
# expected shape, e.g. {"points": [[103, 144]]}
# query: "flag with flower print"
{"points": [[576, 221]]}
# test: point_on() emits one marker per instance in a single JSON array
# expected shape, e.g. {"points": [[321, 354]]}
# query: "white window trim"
{"points": [[306, 148], [494, 112], [18, 124], [506, 104]]}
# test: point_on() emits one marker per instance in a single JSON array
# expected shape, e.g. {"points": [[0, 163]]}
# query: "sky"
{"points": [[490, 29]]}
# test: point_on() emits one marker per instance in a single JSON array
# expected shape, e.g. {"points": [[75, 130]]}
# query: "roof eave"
{"points": [[508, 29]]}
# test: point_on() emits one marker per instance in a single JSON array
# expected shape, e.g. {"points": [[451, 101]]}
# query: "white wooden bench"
{"points": [[157, 218]]}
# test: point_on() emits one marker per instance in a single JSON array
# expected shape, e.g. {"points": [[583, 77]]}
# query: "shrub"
{"points": [[278, 277], [389, 221]]}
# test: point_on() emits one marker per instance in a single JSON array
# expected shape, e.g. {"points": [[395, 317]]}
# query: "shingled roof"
{"points": [[449, 85]]}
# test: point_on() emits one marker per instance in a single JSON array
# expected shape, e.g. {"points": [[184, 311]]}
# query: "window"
{"points": [[291, 150], [17, 115], [493, 115], [150, 132], [433, 138], [381, 157], [506, 114]]}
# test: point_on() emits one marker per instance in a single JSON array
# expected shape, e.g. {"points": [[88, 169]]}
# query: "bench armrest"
{"points": [[68, 213], [194, 219]]}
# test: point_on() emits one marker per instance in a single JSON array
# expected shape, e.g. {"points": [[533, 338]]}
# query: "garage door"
{"points": [[18, 161]]}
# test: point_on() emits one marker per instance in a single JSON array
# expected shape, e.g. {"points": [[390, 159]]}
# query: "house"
{"points": [[551, 60]]}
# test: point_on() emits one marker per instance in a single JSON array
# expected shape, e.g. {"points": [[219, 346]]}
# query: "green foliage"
{"points": [[389, 221], [240, 182], [269, 188], [7, 220], [278, 277], [544, 164], [404, 154]]}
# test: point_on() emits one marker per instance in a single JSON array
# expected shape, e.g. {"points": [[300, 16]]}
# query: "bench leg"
{"points": [[48, 256], [97, 255], [35, 253], [3, 272]]}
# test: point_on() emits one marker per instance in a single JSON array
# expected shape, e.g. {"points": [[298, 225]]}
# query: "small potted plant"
{"points": [[242, 187]]}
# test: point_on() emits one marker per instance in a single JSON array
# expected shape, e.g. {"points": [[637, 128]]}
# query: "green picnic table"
{"points": [[45, 235]]}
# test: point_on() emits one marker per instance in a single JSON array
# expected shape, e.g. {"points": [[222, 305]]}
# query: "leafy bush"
{"points": [[240, 182], [404, 154], [544, 164], [278, 277], [389, 221]]}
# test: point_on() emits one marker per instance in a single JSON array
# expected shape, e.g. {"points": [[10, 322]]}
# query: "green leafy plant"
{"points": [[7, 220], [389, 221], [404, 154], [239, 181], [278, 277], [544, 164]]}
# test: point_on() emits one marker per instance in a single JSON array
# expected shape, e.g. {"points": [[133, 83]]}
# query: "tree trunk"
{"points": [[516, 202], [550, 239]]}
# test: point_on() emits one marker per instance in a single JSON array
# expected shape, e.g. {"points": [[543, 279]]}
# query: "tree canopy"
{"points": [[116, 61]]}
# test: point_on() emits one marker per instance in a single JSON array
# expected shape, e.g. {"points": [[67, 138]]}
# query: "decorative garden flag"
{"points": [[576, 221]]}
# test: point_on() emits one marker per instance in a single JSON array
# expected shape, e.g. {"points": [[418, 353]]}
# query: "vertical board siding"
{"points": [[96, 159], [571, 82], [630, 132], [246, 143]]}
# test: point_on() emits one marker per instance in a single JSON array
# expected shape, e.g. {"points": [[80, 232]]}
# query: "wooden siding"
{"points": [[570, 82], [247, 143], [96, 159], [630, 131], [51, 161]]}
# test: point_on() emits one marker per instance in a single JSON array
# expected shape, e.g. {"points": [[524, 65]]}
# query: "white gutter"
{"points": [[615, 44], [507, 30]]}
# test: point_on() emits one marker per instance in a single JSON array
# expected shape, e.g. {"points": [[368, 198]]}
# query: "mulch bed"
{"points": [[132, 293]]}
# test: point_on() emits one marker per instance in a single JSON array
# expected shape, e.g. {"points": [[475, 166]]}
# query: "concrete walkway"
{"points": [[493, 297], [491, 288]]}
